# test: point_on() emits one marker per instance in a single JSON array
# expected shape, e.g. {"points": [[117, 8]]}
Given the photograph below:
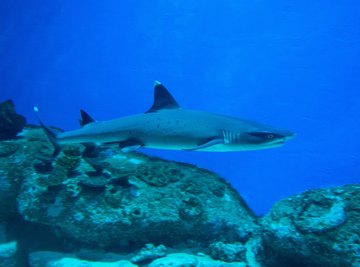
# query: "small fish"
{"points": [[166, 125]]}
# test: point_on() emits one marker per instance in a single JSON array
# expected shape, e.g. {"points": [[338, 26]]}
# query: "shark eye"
{"points": [[264, 135]]}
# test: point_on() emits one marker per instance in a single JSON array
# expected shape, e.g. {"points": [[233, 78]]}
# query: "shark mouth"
{"points": [[275, 144]]}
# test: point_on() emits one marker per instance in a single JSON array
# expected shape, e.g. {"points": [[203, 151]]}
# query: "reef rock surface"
{"points": [[173, 214], [317, 228], [185, 260], [2, 232], [17, 158], [108, 198], [54, 259], [8, 255], [11, 123]]}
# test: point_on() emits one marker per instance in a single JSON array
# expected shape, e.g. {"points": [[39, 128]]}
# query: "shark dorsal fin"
{"points": [[85, 118], [162, 99]]}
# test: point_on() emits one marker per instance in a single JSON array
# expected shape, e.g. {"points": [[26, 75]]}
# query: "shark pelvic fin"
{"points": [[211, 142], [85, 118], [162, 99], [129, 145]]}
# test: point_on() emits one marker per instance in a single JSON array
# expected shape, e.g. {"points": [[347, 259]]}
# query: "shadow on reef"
{"points": [[32, 237], [101, 207]]}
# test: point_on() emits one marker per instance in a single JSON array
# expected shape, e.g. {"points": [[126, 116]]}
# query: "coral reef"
{"points": [[317, 228], [16, 160], [228, 252], [149, 253], [249, 252], [2, 232], [54, 259], [184, 259], [117, 199], [107, 208], [11, 123], [8, 255]]}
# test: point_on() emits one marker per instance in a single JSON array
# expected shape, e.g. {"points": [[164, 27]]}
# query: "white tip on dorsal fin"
{"points": [[162, 99]]}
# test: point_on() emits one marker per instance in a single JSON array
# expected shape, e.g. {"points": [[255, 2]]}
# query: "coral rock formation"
{"points": [[54, 259], [92, 203], [8, 255], [116, 199], [183, 259], [317, 228], [11, 123]]}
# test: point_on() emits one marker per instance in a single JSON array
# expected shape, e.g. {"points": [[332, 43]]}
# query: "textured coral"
{"points": [[116, 199], [149, 253], [183, 259], [228, 252], [8, 148], [8, 255], [64, 168], [154, 172], [15, 167], [54, 259], [317, 228]]}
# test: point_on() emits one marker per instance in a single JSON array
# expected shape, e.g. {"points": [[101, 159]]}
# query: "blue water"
{"points": [[291, 64]]}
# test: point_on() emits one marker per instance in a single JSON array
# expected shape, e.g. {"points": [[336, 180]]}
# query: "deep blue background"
{"points": [[291, 64]]}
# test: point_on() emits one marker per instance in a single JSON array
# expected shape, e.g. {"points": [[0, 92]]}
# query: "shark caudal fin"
{"points": [[50, 133]]}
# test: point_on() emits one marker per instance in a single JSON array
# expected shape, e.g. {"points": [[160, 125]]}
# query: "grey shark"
{"points": [[166, 125]]}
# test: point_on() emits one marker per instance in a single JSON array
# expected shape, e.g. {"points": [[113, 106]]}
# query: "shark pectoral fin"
{"points": [[209, 143], [130, 148], [129, 145]]}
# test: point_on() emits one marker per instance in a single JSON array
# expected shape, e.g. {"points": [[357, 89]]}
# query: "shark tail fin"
{"points": [[50, 133]]}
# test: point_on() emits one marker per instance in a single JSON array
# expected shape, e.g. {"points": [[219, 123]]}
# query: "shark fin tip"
{"points": [[85, 118], [162, 99]]}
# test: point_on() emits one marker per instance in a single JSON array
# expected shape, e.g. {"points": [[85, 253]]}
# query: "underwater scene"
{"points": [[179, 133]]}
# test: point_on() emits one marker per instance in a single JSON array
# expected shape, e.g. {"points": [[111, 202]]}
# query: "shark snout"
{"points": [[287, 135], [283, 136]]}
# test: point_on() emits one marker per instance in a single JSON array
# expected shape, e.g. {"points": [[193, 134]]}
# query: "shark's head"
{"points": [[267, 138]]}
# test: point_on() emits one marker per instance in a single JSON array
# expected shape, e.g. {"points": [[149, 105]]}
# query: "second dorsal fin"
{"points": [[162, 99], [85, 118]]}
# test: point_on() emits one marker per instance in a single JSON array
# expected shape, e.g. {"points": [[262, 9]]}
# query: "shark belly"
{"points": [[177, 138]]}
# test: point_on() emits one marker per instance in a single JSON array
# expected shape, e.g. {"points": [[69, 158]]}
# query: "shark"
{"points": [[167, 125]]}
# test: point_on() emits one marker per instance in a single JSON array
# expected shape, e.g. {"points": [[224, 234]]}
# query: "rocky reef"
{"points": [[317, 228], [113, 201], [11, 123], [107, 208]]}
